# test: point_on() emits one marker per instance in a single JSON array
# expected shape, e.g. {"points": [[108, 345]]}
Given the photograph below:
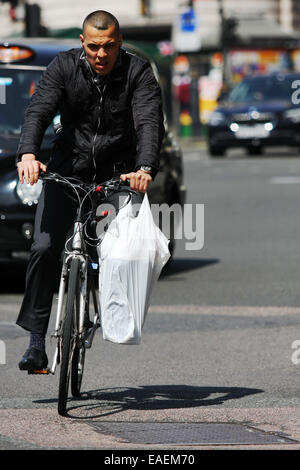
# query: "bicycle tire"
{"points": [[78, 361], [68, 337]]}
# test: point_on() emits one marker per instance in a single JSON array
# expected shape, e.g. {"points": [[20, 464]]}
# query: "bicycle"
{"points": [[74, 329]]}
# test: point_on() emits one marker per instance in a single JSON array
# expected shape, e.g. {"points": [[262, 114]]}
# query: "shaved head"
{"points": [[101, 41], [101, 20]]}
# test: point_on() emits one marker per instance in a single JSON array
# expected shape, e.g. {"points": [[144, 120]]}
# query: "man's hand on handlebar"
{"points": [[139, 181], [29, 168]]}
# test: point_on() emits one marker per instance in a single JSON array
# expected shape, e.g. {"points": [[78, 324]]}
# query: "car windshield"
{"points": [[275, 88], [16, 89]]}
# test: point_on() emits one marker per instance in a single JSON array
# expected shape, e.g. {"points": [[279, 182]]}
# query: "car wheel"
{"points": [[216, 151]]}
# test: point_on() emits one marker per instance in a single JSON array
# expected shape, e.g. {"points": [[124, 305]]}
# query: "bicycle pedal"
{"points": [[38, 372]]}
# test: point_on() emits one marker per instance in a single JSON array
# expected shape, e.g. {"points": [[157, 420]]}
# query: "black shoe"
{"points": [[33, 359]]}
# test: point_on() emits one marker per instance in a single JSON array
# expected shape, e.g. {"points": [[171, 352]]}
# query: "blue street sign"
{"points": [[188, 21]]}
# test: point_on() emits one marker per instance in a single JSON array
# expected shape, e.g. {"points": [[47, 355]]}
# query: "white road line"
{"points": [[9, 308], [285, 180], [192, 309], [237, 310]]}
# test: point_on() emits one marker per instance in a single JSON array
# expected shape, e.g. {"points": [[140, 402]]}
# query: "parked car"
{"points": [[260, 111], [22, 62]]}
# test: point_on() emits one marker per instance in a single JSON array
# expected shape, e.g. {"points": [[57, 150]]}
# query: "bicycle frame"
{"points": [[77, 251]]}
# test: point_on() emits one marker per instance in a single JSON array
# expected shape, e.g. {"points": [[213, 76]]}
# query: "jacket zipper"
{"points": [[98, 127]]}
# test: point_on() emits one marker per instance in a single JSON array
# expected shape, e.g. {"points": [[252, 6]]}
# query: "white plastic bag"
{"points": [[132, 254]]}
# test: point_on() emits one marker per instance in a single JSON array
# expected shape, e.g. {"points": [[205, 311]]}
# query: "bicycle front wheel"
{"points": [[77, 370], [69, 334]]}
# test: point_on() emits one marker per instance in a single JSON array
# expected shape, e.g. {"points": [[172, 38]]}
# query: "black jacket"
{"points": [[121, 121]]}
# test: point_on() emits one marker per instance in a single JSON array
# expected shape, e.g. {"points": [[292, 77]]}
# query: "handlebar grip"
{"points": [[46, 174], [43, 175]]}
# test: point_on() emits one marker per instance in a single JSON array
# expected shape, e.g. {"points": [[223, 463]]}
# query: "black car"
{"points": [[21, 64], [260, 111]]}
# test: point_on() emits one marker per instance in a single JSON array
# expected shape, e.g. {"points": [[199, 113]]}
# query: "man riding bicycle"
{"points": [[110, 108]]}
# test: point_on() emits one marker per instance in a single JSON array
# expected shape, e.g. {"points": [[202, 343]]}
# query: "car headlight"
{"points": [[216, 118], [28, 194], [293, 115]]}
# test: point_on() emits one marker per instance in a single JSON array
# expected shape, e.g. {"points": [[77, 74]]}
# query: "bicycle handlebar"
{"points": [[83, 190], [87, 192], [114, 184]]}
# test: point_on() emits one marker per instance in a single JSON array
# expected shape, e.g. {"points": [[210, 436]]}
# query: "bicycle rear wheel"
{"points": [[69, 334]]}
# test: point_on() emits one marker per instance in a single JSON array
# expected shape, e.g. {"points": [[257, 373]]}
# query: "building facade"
{"points": [[268, 34], [59, 14]]}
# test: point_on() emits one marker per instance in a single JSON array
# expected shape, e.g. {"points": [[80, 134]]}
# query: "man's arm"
{"points": [[38, 116], [148, 119], [148, 122]]}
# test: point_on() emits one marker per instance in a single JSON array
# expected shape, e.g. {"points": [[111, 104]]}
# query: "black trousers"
{"points": [[54, 217]]}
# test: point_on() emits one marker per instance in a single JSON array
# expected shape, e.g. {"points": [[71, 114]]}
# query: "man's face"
{"points": [[101, 47]]}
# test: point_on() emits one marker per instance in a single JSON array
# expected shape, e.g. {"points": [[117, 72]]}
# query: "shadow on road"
{"points": [[99, 403], [181, 265]]}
